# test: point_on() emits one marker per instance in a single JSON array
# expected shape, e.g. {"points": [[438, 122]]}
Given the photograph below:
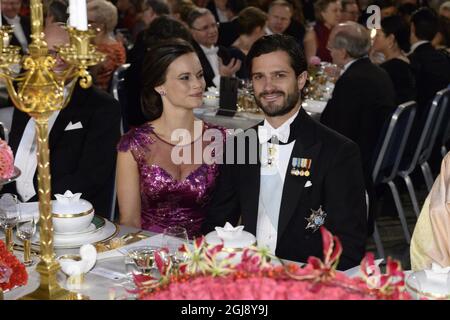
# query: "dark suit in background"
{"points": [[337, 185], [208, 73], [431, 70], [362, 101], [228, 32], [26, 27], [81, 160]]}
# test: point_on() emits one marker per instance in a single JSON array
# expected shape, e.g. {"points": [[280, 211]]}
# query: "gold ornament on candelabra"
{"points": [[39, 91]]}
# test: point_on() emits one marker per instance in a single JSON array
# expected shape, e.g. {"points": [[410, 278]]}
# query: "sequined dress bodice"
{"points": [[167, 200]]}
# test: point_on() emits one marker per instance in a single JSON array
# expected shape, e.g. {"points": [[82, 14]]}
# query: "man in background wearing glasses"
{"points": [[217, 61]]}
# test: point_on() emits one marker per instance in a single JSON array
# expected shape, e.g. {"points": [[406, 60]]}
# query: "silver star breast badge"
{"points": [[316, 219]]}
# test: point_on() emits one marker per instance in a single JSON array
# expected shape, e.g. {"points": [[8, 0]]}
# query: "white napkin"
{"points": [[437, 273], [228, 231], [154, 241]]}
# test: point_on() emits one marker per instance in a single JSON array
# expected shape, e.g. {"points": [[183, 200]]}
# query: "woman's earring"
{"points": [[162, 93]]}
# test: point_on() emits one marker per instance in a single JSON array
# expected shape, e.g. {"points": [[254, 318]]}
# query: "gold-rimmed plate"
{"points": [[96, 224], [108, 231]]}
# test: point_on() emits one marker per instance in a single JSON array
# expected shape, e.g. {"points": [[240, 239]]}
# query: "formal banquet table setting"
{"points": [[107, 208]]}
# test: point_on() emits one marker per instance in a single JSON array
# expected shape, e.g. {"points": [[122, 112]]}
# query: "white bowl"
{"points": [[211, 99], [70, 217]]}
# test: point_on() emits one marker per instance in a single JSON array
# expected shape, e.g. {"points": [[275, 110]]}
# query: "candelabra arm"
{"points": [[12, 91]]}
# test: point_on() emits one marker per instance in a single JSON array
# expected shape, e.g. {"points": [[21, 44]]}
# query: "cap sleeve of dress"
{"points": [[138, 141]]}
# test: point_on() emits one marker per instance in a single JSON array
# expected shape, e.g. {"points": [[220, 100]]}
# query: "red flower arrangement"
{"points": [[14, 272], [204, 276]]}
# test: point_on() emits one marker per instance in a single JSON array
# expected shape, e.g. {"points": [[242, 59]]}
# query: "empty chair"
{"points": [[424, 147], [387, 160], [117, 91]]}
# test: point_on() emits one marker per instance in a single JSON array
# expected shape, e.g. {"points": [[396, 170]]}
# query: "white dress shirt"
{"points": [[213, 58], [268, 31], [272, 180], [221, 15], [26, 159], [18, 32], [416, 45]]}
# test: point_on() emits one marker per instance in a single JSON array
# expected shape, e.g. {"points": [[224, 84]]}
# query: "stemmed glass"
{"points": [[173, 238], [25, 231], [9, 216]]}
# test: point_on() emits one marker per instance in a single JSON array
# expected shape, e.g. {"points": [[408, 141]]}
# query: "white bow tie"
{"points": [[265, 133], [211, 51]]}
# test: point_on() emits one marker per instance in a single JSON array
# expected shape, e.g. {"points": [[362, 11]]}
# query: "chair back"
{"points": [[392, 143], [442, 115], [421, 152], [118, 92]]}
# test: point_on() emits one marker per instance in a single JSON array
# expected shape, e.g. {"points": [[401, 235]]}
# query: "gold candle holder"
{"points": [[27, 253], [9, 239], [39, 91], [9, 55]]}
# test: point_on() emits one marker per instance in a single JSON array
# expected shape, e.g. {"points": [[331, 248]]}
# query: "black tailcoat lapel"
{"points": [[306, 146]]}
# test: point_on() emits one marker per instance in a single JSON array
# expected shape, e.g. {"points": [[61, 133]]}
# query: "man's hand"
{"points": [[230, 69]]}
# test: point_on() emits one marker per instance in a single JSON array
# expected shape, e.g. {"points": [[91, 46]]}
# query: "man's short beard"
{"points": [[290, 103]]}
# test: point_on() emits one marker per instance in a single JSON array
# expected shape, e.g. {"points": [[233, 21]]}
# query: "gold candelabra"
{"points": [[39, 91]]}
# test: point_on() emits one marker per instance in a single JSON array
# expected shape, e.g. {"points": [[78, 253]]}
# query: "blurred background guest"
{"points": [[56, 12], [431, 68], [392, 40], [251, 27], [217, 61], [155, 192], [284, 18], [102, 14], [279, 16], [151, 10], [162, 28], [444, 9], [441, 40], [21, 24], [363, 97], [221, 10], [328, 14], [388, 7], [350, 11], [128, 11], [180, 9]]}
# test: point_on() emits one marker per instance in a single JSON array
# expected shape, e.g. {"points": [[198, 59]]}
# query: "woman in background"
{"points": [[102, 14], [154, 189], [328, 14], [392, 40]]}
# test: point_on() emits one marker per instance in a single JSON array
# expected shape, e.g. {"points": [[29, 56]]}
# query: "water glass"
{"points": [[173, 238], [9, 216]]}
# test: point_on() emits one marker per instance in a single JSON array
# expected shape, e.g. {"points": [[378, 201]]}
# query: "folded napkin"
{"points": [[437, 273], [154, 241]]}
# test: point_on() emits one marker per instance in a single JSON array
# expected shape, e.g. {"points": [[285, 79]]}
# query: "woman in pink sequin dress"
{"points": [[162, 181]]}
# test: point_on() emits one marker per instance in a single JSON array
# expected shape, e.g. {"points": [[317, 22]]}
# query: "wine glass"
{"points": [[25, 231], [173, 238], [9, 216]]}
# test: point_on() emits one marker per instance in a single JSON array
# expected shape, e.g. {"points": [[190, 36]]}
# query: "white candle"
{"points": [[78, 14]]}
